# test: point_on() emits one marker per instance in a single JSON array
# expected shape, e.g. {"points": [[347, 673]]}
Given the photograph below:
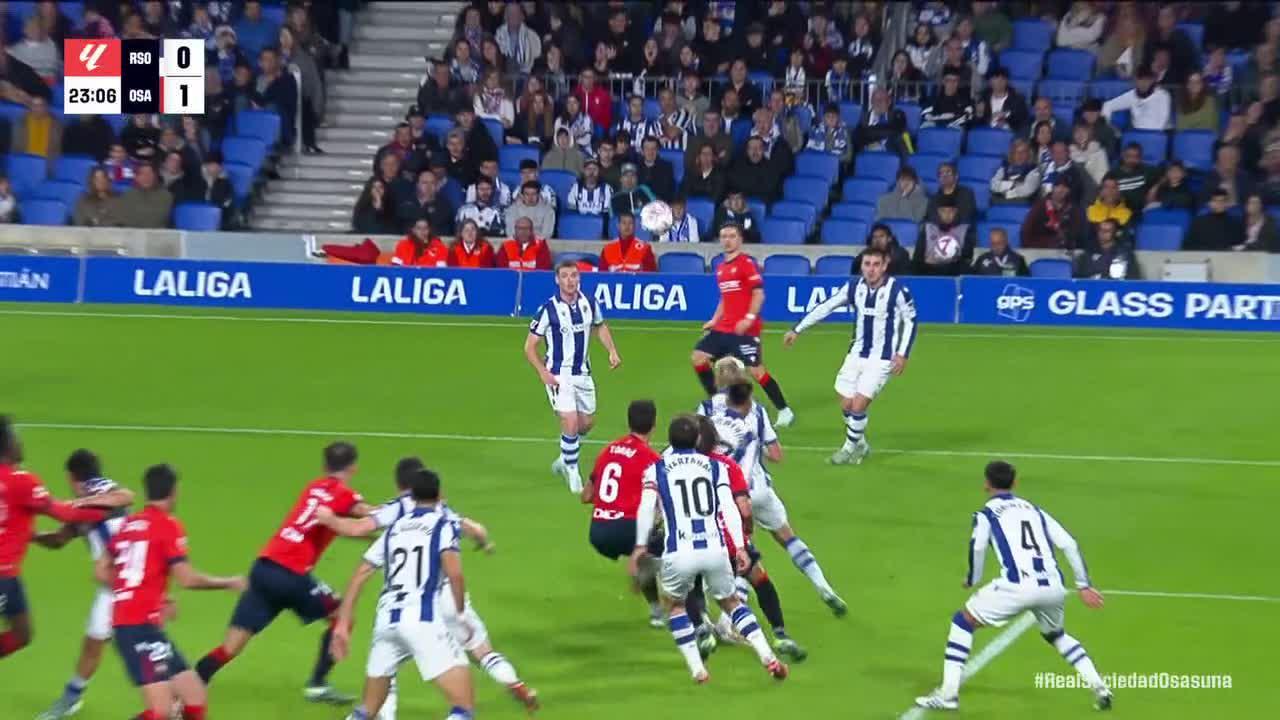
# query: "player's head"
{"points": [[874, 263], [729, 370], [731, 237], [1000, 476], [160, 482], [405, 470], [642, 415], [683, 433], [340, 457], [83, 466], [568, 279], [708, 438], [424, 486], [10, 446]]}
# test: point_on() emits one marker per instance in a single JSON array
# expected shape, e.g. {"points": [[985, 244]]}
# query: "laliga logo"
{"points": [[1015, 303], [90, 54]]}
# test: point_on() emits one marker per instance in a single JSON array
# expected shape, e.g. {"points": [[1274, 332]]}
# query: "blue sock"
{"points": [[459, 713], [74, 690]]}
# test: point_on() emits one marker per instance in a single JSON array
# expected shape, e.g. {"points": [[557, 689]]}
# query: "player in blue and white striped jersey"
{"points": [[884, 333], [1024, 537], [565, 323], [84, 471]]}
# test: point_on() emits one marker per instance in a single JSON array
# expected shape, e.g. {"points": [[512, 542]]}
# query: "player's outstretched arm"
{"points": [[818, 314], [606, 339], [114, 499], [340, 646], [351, 527], [57, 539], [478, 534], [1066, 543], [644, 521], [192, 579], [67, 513], [451, 563]]}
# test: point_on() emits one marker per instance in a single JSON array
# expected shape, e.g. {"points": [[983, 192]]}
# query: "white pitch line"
{"points": [[1193, 596], [672, 328], [989, 652], [549, 440]]}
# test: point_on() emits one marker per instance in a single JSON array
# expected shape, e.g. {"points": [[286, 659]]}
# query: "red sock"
{"points": [[150, 715], [10, 643], [193, 712], [221, 656], [764, 379], [702, 367]]}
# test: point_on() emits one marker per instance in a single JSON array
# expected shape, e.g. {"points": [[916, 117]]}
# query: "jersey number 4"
{"points": [[1029, 538], [131, 562]]}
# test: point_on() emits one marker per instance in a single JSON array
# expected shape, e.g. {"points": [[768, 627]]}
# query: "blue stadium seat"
{"points": [[717, 261], [197, 216], [804, 117], [676, 158], [1064, 113], [818, 164], [640, 231], [439, 126], [495, 129], [1152, 236], [1024, 64], [1008, 213], [246, 150], [261, 124], [762, 80], [121, 186], [839, 231], [784, 264], [510, 156], [811, 189], [877, 165], [854, 211], [43, 212], [988, 141], [511, 178], [1194, 148], [1060, 90], [652, 109], [865, 189], [939, 141], [1025, 86], [904, 230], [573, 226], [1032, 34], [682, 262], [1194, 31], [739, 132], [926, 165], [833, 265], [981, 194], [241, 177], [453, 191], [757, 208], [978, 167], [1013, 230], [1155, 144], [798, 210], [1069, 64], [1051, 268], [782, 231], [560, 181], [851, 114], [704, 210], [1120, 120], [25, 171], [1168, 216], [66, 191], [13, 112], [912, 111], [1110, 88], [74, 167]]}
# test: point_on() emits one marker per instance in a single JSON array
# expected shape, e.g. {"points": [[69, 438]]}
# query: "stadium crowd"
{"points": [[1094, 127]]}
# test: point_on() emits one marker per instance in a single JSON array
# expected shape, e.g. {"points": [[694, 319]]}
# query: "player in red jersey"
{"points": [[281, 577], [734, 329], [614, 492], [150, 547], [22, 497]]}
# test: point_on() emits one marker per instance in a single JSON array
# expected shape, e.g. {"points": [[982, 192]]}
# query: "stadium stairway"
{"points": [[317, 193]]}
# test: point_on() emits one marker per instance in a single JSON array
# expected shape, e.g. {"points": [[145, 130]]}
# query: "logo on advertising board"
{"points": [[1016, 303]]}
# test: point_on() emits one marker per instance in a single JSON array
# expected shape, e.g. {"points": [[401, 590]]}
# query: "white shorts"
{"points": [[767, 510], [999, 601], [470, 631], [681, 569], [432, 646], [576, 393], [862, 376], [99, 625]]}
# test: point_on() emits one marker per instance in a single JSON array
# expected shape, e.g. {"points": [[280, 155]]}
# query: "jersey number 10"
{"points": [[700, 492]]}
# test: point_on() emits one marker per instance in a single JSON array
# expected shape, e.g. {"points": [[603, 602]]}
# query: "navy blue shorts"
{"points": [[13, 600], [721, 344], [273, 589], [613, 538], [149, 657]]}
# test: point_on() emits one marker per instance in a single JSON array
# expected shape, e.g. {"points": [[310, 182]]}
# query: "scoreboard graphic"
{"points": [[141, 76]]}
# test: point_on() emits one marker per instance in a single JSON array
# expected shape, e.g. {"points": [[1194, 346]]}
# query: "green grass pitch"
{"points": [[1121, 434]]}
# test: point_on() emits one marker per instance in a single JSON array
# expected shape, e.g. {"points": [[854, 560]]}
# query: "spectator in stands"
{"points": [[861, 52], [974, 51], [1172, 192], [1149, 105], [825, 30], [595, 100], [374, 211], [1234, 24], [630, 196], [1197, 107], [654, 172], [1228, 176], [277, 92], [950, 190], [882, 237], [253, 31], [292, 54], [529, 174], [651, 68], [174, 178], [730, 109], [1001, 106], [1087, 154], [551, 67], [147, 203], [420, 247], [1218, 73], [1099, 129], [748, 94], [1081, 28], [785, 109], [396, 184], [610, 166], [675, 138], [464, 68], [706, 179], [212, 186], [634, 122], [87, 135], [491, 101], [37, 51], [1000, 259], [691, 98], [1260, 231], [172, 141], [470, 28], [577, 124], [883, 126], [1060, 165], [992, 26], [38, 132], [155, 20], [1110, 206], [671, 113], [535, 125], [831, 136], [412, 158], [1124, 50], [948, 108], [564, 155], [524, 250], [218, 104], [712, 47], [202, 27], [425, 203], [1134, 177], [754, 174], [1055, 222], [469, 250], [837, 84], [532, 206], [8, 201], [243, 93], [627, 253], [905, 80], [945, 245], [226, 55], [735, 211], [624, 39], [906, 201], [922, 47], [684, 227], [479, 144], [590, 196], [1042, 112], [712, 135], [952, 60], [119, 166], [438, 95], [1111, 259], [1017, 180], [97, 205], [482, 211], [794, 77], [1168, 35], [518, 42], [94, 26], [458, 164]]}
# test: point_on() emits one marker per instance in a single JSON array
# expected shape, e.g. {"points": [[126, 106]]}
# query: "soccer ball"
{"points": [[656, 217]]}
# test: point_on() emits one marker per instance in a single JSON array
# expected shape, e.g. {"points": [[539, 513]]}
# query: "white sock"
{"points": [[808, 564], [743, 588], [745, 622], [855, 428], [959, 642], [569, 447], [388, 711], [500, 669], [1073, 652], [684, 635]]}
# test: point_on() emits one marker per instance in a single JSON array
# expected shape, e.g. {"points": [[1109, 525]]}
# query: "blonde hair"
{"points": [[730, 371]]}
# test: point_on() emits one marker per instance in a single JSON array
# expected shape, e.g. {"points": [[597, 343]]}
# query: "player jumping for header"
{"points": [[565, 323], [734, 329], [884, 332], [1024, 537]]}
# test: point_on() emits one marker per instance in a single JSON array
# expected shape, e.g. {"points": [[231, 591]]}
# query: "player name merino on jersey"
{"points": [[884, 318], [1024, 538], [566, 326]]}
